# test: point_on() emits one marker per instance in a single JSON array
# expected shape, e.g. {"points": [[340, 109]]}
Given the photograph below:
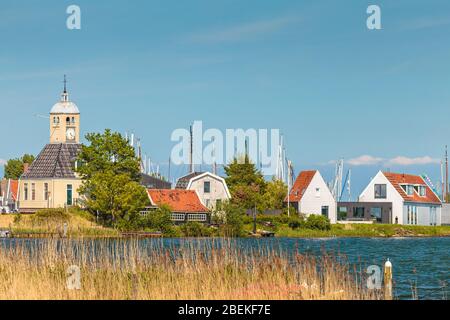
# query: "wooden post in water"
{"points": [[388, 280]]}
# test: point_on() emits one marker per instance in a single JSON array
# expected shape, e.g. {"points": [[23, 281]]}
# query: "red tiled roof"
{"points": [[185, 201], [14, 189], [300, 185], [396, 179]]}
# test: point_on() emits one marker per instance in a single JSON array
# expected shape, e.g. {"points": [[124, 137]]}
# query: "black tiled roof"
{"points": [[183, 182], [54, 161], [154, 183]]}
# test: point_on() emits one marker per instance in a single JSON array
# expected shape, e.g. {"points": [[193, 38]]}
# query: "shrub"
{"points": [[317, 222], [159, 219], [296, 222], [195, 229], [52, 215], [17, 218], [234, 221]]}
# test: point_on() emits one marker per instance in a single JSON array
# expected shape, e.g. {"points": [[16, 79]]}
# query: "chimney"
{"points": [[25, 167]]}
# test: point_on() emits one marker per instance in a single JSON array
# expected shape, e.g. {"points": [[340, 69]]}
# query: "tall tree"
{"points": [[14, 167], [111, 173], [275, 194], [246, 183]]}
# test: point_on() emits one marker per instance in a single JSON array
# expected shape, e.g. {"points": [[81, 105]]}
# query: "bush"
{"points": [[234, 221], [317, 222], [159, 220], [195, 229], [52, 215], [296, 222]]}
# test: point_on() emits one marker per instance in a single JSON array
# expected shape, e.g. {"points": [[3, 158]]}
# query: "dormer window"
{"points": [[422, 191], [408, 188]]}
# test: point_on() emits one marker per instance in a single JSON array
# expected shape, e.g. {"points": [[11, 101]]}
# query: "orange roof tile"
{"points": [[14, 189], [185, 201], [300, 185], [396, 179]]}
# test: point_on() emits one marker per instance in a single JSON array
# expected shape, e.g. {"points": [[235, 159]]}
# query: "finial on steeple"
{"points": [[65, 84]]}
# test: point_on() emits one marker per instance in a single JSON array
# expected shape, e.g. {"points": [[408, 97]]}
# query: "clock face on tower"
{"points": [[70, 134]]}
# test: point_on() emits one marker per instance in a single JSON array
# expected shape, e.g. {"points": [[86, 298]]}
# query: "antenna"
{"points": [[214, 156], [168, 174], [446, 174], [191, 153]]}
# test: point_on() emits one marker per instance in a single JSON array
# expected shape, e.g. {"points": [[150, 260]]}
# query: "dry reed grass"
{"points": [[198, 269]]}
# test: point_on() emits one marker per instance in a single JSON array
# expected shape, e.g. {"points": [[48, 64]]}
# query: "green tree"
{"points": [[246, 183], [110, 173], [14, 167], [234, 220], [276, 192]]}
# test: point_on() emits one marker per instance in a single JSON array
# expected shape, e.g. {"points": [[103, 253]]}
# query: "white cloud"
{"points": [[242, 31], [405, 161], [368, 160], [364, 160], [2, 162]]}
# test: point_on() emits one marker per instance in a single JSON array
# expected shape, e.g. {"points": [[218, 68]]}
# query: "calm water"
{"points": [[423, 263]]}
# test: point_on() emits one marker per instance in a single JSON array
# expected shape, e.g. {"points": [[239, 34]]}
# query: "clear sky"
{"points": [[310, 68]]}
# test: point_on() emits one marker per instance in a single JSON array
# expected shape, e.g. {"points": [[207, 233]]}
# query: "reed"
{"points": [[200, 269]]}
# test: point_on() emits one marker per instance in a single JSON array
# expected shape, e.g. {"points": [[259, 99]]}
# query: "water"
{"points": [[420, 265]]}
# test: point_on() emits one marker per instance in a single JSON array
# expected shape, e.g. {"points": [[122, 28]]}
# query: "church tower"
{"points": [[65, 120]]}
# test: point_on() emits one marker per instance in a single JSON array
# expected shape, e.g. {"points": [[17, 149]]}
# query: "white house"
{"points": [[211, 189], [311, 195], [413, 201]]}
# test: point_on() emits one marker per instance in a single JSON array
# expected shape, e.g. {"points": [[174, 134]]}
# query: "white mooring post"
{"points": [[388, 280]]}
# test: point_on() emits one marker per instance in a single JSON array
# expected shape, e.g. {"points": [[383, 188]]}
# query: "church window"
{"points": [[33, 191], [25, 191], [68, 120]]}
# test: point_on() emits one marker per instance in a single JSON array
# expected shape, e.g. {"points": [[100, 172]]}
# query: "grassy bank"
{"points": [[355, 230], [79, 224], [123, 270]]}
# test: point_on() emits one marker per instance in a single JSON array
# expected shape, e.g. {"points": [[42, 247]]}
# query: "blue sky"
{"points": [[310, 68]]}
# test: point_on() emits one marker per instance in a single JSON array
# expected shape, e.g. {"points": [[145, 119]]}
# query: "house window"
{"points": [[199, 217], [69, 195], [45, 191], [380, 191], [408, 188], [25, 191], [325, 211], [375, 214], [178, 217], [412, 215], [208, 203], [207, 187], [358, 212], [33, 191], [317, 192], [342, 213], [422, 191], [218, 204], [433, 216]]}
